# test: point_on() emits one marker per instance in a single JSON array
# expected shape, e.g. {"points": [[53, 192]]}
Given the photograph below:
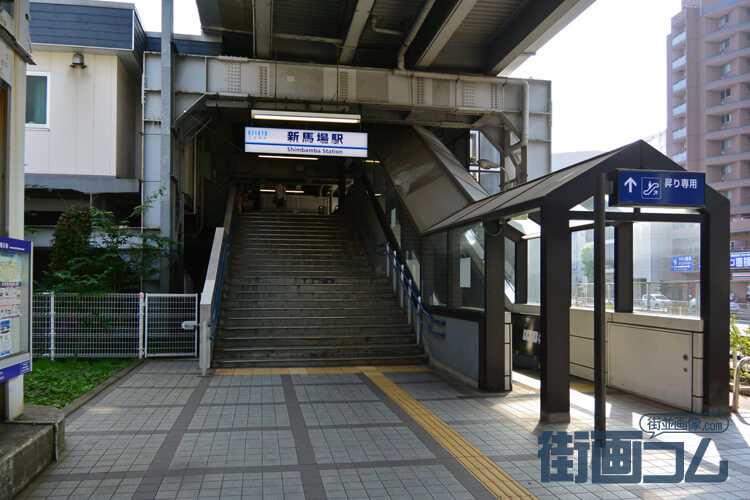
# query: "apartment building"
{"points": [[708, 119]]}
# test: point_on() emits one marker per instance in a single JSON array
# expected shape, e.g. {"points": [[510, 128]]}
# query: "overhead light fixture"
{"points": [[288, 191], [283, 157], [302, 116], [372, 161]]}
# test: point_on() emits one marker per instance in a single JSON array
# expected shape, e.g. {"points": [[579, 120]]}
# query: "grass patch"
{"points": [[57, 383]]}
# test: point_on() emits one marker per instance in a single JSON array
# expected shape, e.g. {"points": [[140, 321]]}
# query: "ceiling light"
{"points": [[372, 161], [288, 191], [301, 116], [283, 157]]}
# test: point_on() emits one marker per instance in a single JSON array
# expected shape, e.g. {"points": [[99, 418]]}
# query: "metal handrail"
{"points": [[737, 373], [210, 301], [412, 297]]}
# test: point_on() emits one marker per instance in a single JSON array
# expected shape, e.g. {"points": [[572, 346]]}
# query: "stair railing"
{"points": [[408, 296], [210, 304]]}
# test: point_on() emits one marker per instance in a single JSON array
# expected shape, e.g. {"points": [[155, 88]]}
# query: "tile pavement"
{"points": [[164, 432]]}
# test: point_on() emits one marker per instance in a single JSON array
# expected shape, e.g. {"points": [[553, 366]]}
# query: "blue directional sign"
{"points": [[651, 187], [682, 263]]}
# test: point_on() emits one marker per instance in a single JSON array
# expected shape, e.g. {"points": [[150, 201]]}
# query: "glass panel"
{"points": [[582, 267], [510, 270], [36, 99], [666, 268], [435, 269], [534, 263], [466, 266]]}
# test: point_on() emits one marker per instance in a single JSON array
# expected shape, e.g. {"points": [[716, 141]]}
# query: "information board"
{"points": [[682, 263], [659, 188], [287, 141], [15, 307]]}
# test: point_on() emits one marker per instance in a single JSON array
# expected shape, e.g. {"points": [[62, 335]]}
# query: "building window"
{"points": [[7, 6], [37, 100], [727, 118], [474, 148], [725, 69], [725, 93], [723, 45], [726, 170], [723, 20], [725, 144], [727, 194], [747, 11]]}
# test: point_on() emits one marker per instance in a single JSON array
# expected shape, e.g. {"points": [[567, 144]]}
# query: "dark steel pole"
{"points": [[600, 388]]}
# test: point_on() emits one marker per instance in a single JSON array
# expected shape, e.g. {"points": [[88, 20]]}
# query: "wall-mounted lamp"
{"points": [[78, 61], [301, 116]]}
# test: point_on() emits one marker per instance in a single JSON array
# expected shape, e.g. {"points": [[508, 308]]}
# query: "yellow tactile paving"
{"points": [[495, 479]]}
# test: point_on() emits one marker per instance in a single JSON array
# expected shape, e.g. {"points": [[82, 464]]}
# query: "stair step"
{"points": [[331, 362], [314, 340], [304, 296], [229, 304], [245, 281], [308, 321], [310, 312], [286, 331], [325, 351]]}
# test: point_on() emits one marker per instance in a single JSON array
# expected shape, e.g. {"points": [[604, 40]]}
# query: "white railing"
{"points": [[679, 133], [679, 157], [679, 109], [679, 62], [678, 38], [679, 85], [210, 301], [115, 325]]}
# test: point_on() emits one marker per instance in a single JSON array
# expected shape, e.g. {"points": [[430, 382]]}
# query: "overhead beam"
{"points": [[356, 27], [263, 28], [439, 27], [532, 25]]}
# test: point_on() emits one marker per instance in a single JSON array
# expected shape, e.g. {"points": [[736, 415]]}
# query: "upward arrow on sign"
{"points": [[630, 184]]}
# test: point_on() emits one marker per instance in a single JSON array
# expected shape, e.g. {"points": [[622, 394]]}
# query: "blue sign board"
{"points": [[682, 263], [13, 371], [739, 260], [660, 188]]}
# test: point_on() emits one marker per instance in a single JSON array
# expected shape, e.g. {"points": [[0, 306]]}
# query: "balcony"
{"points": [[678, 39], [680, 157], [679, 109], [679, 85], [679, 133], [679, 62]]}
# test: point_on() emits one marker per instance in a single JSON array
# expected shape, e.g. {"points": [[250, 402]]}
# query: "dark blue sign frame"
{"points": [[636, 188]]}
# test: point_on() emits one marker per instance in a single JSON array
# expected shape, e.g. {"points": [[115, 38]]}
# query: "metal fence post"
{"points": [[141, 323], [145, 326], [52, 326], [408, 303]]}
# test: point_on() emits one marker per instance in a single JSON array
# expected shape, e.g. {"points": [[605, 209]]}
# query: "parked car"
{"points": [[655, 301], [734, 308]]}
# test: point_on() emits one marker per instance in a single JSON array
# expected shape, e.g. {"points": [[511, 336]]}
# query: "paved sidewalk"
{"points": [[164, 432]]}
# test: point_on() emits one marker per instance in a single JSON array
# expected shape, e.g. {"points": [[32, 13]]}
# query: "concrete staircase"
{"points": [[301, 293]]}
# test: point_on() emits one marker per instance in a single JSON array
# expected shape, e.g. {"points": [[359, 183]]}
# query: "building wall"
{"points": [[712, 135], [83, 118]]}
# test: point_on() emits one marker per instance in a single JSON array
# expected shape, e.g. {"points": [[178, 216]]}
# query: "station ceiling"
{"points": [[488, 37]]}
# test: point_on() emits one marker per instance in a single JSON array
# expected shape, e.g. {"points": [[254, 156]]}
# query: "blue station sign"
{"points": [[659, 188], [682, 263], [739, 260]]}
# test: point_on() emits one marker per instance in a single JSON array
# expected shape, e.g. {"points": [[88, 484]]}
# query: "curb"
{"points": [[744, 389], [85, 398]]}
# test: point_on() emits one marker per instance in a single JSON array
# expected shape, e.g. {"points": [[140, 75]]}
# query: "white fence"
{"points": [[117, 325]]}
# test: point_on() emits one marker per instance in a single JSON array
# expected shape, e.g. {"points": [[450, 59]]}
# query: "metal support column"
{"points": [[714, 296], [492, 334], [167, 100], [624, 267], [555, 317], [342, 190], [522, 271], [600, 305]]}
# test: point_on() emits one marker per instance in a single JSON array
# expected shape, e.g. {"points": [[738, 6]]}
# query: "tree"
{"points": [[587, 260], [94, 252]]}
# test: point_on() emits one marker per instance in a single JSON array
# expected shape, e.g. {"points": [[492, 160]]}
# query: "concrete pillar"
{"points": [[492, 357], [166, 216]]}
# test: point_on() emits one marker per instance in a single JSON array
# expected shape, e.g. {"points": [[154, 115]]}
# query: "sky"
{"points": [[608, 69]]}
